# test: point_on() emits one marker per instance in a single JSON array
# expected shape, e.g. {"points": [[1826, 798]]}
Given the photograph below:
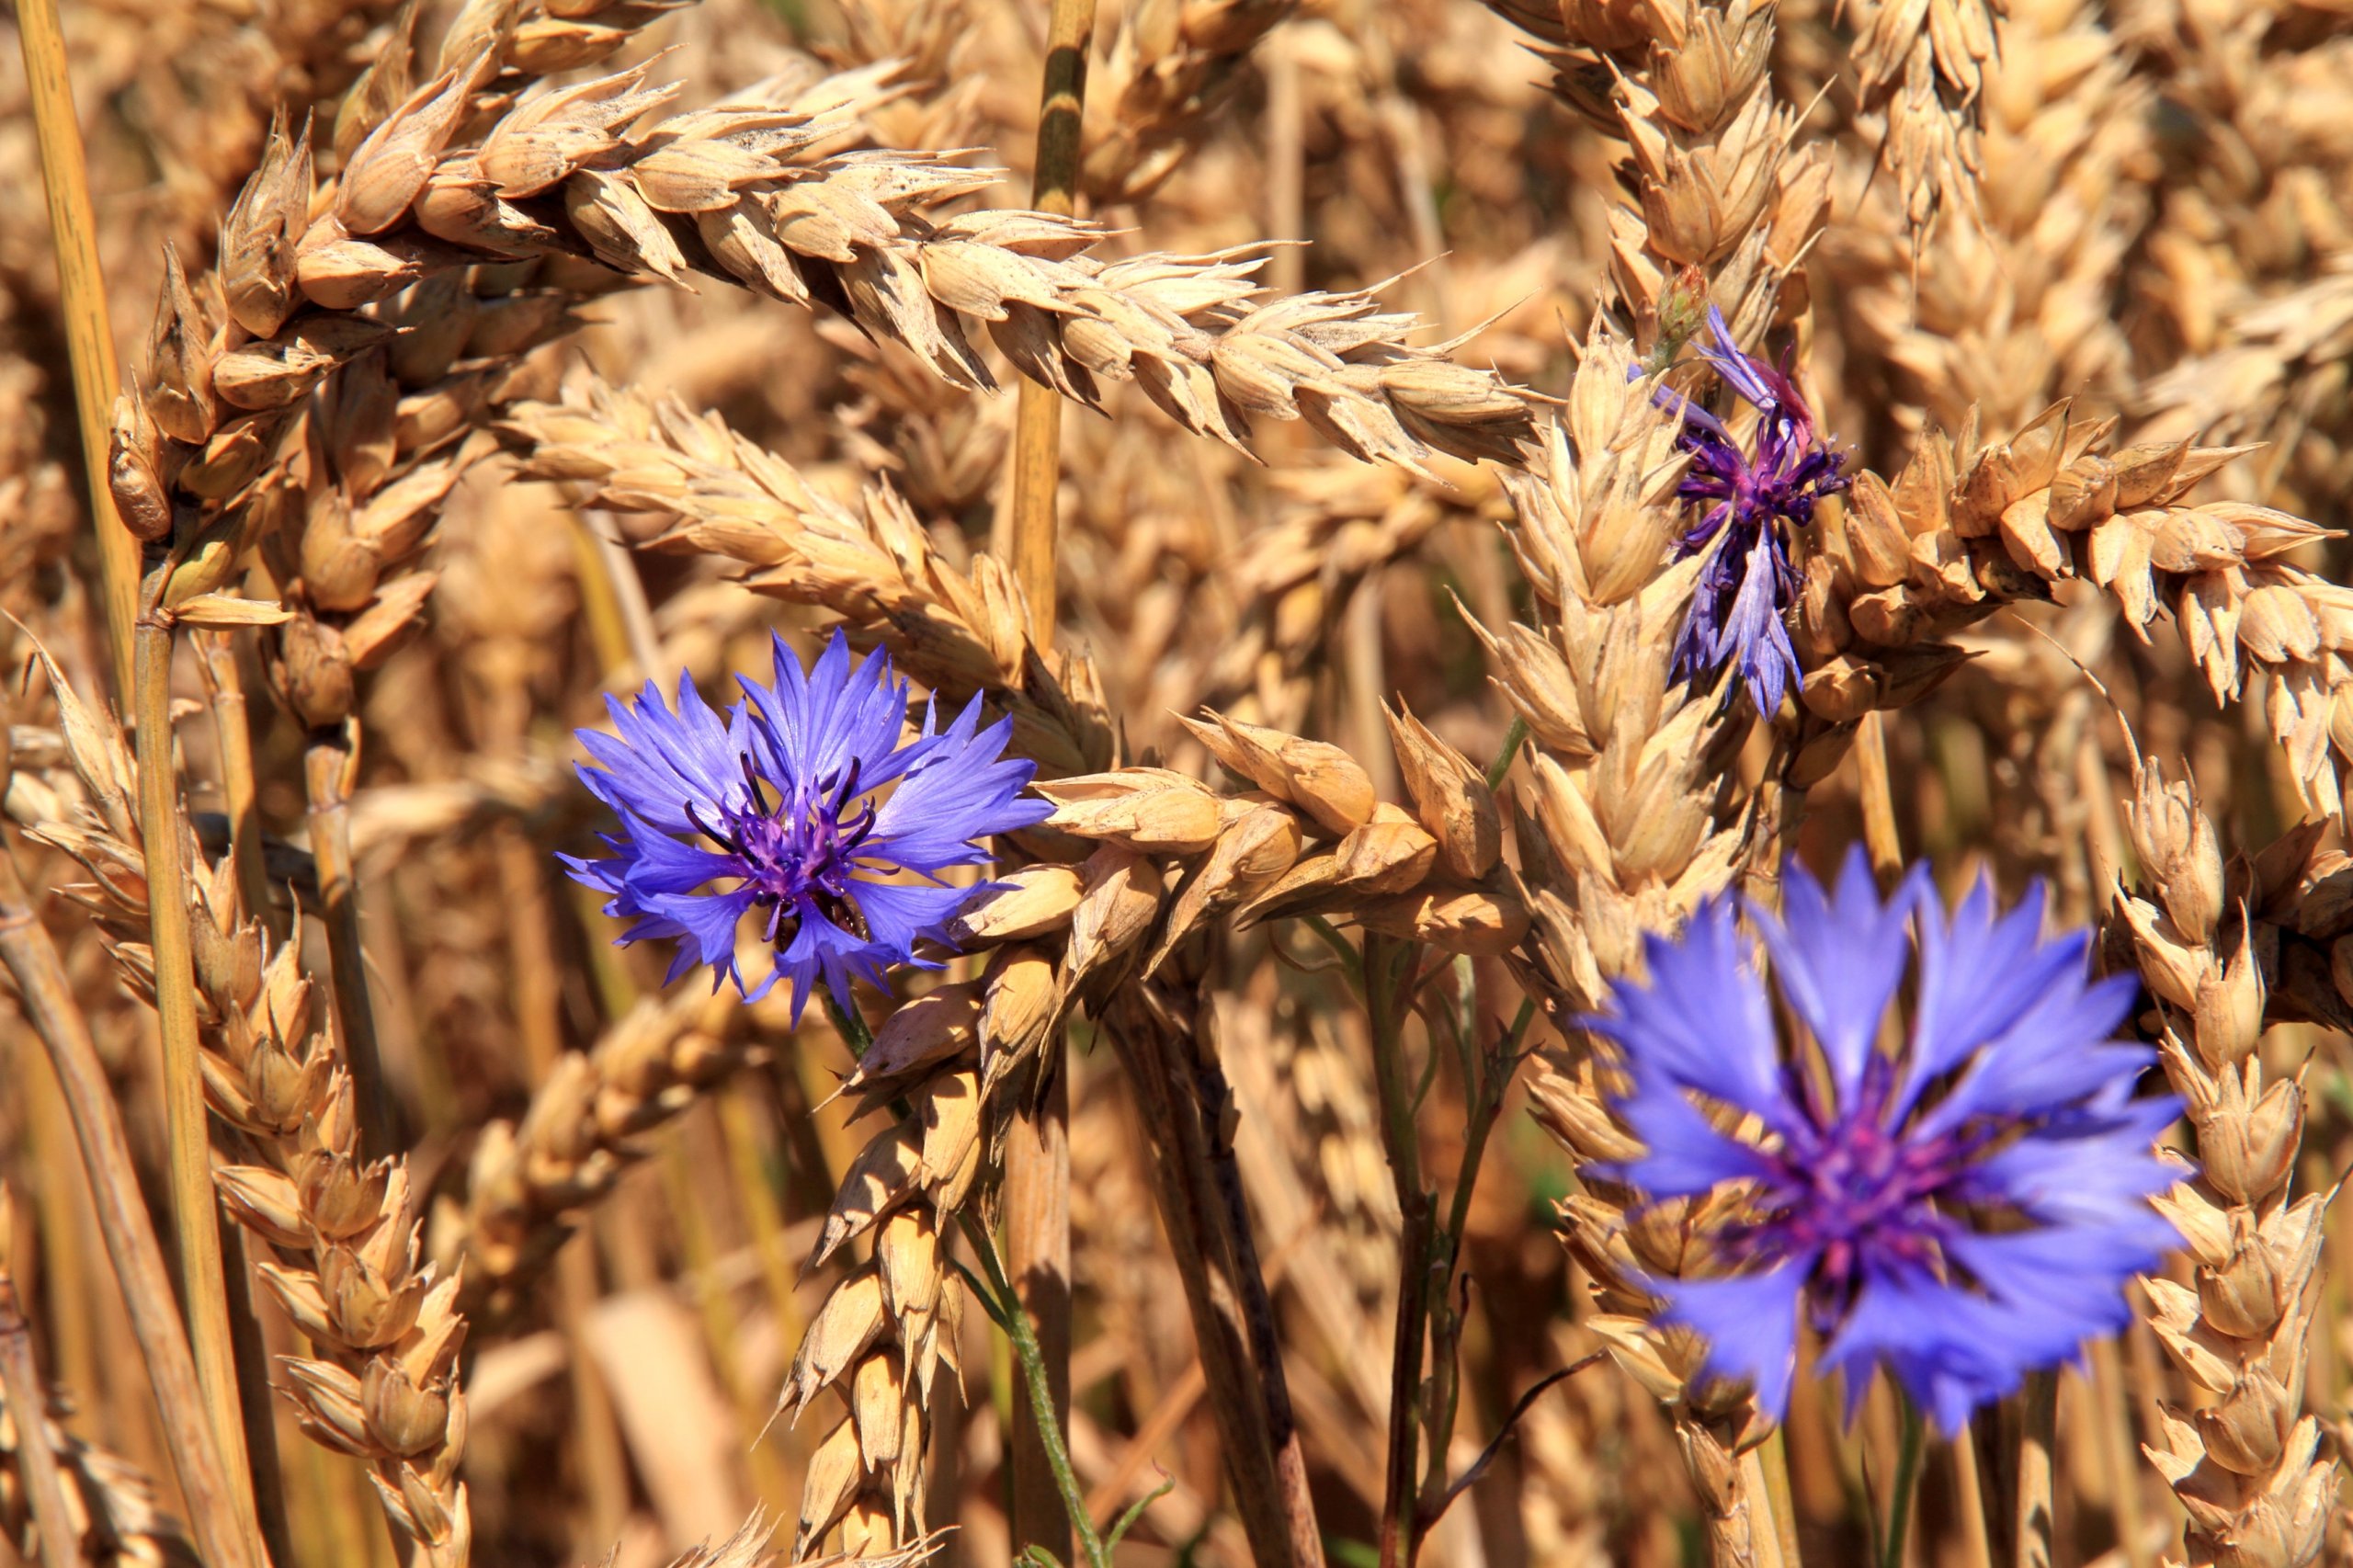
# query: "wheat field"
{"points": [[1227, 782]]}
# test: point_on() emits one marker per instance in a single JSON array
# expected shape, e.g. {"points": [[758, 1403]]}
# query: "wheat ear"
{"points": [[2246, 1465], [385, 1332]]}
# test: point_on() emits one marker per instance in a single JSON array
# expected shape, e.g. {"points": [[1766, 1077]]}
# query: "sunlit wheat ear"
{"points": [[2246, 1463], [1968, 529], [338, 1235]]}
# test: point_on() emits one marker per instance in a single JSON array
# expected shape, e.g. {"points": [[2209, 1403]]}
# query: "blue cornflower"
{"points": [[779, 802], [1960, 1209], [1747, 586]]}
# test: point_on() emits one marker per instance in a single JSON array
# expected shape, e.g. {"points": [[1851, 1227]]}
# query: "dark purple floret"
{"points": [[1960, 1209], [1739, 608], [773, 811]]}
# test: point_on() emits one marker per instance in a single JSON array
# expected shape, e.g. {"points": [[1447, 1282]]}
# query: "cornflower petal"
{"points": [[1979, 974], [1951, 1349], [1687, 1155], [1750, 1322], [2053, 1055], [1753, 500], [1958, 1212], [1740, 372], [1702, 1023], [776, 814], [1838, 960]]}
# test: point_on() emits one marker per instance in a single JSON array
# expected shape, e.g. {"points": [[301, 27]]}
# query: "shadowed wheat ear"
{"points": [[1922, 71], [528, 1181], [385, 1331], [1170, 66], [2247, 1464], [2017, 305], [115, 1515]]}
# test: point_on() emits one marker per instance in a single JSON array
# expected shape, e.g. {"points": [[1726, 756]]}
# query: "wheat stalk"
{"points": [[1623, 828], [2018, 305]]}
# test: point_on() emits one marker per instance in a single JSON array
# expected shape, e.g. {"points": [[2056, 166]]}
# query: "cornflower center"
{"points": [[797, 856], [1858, 1196]]}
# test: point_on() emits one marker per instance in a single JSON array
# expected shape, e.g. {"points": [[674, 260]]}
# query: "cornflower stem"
{"points": [[329, 768], [1003, 1303], [47, 998], [61, 1545], [81, 287], [1388, 982], [1913, 1443], [1399, 1502], [195, 1223], [847, 1023], [1513, 738], [1037, 1159], [1485, 1075]]}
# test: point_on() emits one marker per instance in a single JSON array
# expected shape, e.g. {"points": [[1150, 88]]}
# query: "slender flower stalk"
{"points": [[783, 797], [1749, 501], [1960, 1210]]}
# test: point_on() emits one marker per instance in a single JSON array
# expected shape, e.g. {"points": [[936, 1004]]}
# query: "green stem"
{"points": [[847, 1023], [1350, 964], [1388, 964], [1908, 1472], [1004, 1305], [1513, 738]]}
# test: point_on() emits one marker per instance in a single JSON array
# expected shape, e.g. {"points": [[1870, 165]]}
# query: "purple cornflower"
{"points": [[1960, 1209], [1748, 584], [779, 798]]}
